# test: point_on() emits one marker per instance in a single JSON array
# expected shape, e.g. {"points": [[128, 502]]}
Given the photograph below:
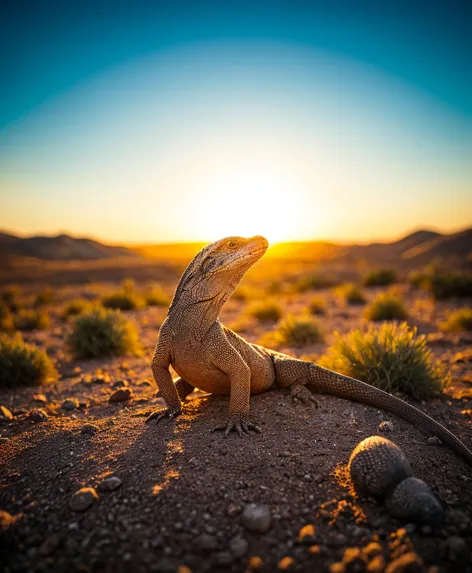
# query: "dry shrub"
{"points": [[23, 364], [317, 306], [28, 319], [122, 300], [392, 357], [44, 297], [352, 294], [6, 319], [10, 298], [314, 282], [297, 331], [265, 311], [444, 285], [458, 321], [380, 277], [75, 307], [156, 296], [386, 307]]}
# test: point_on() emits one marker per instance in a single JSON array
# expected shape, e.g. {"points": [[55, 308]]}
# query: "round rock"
{"points": [[386, 426], [70, 404], [377, 465], [38, 415], [121, 395], [238, 546], [413, 500], [83, 499], [257, 518], [110, 483]]}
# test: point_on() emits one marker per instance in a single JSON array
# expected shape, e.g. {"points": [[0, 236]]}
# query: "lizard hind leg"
{"points": [[294, 374]]}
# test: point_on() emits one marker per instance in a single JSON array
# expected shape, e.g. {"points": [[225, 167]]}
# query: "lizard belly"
{"points": [[203, 376]]}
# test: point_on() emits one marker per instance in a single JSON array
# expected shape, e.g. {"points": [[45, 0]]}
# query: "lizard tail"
{"points": [[322, 380]]}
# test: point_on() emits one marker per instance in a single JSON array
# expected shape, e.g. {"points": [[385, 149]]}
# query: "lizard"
{"points": [[209, 356]]}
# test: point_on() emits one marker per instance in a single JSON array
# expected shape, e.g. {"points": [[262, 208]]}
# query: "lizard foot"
{"points": [[300, 392], [238, 423], [171, 413]]}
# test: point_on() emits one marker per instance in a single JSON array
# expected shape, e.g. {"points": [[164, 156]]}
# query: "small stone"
{"points": [[5, 414], [257, 518], [121, 395], [285, 454], [306, 535], [354, 560], [460, 519], [233, 509], [376, 565], [372, 549], [83, 499], [110, 483], [6, 520], [238, 546], [49, 545], [205, 542], [70, 404], [40, 398], [4, 440], [433, 441], [407, 563], [386, 426], [455, 549], [285, 563], [336, 568], [38, 415], [255, 563], [120, 384], [89, 429]]}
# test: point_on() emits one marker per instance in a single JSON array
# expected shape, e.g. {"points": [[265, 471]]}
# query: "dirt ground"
{"points": [[184, 490]]}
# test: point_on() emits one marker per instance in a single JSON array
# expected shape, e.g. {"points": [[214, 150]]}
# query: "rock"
{"points": [[257, 518], [455, 549], [205, 542], [49, 545], [407, 563], [5, 414], [6, 520], [354, 560], [460, 519], [89, 429], [413, 500], [70, 404], [4, 440], [377, 465], [372, 549], [233, 509], [38, 415], [83, 499], [255, 563], [40, 398], [386, 426], [110, 483], [433, 441], [120, 384], [238, 546], [376, 565], [306, 535], [285, 563], [121, 395]]}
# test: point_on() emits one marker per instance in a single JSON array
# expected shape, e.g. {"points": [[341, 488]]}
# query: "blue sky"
{"points": [[116, 115]]}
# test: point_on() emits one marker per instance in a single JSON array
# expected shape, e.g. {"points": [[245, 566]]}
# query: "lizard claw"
{"points": [[171, 413], [299, 392], [238, 423]]}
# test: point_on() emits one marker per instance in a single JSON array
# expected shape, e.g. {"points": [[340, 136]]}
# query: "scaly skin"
{"points": [[209, 356]]}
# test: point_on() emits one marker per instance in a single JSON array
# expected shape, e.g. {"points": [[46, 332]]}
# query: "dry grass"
{"points": [[28, 319], [317, 306], [386, 307], [75, 307], [265, 311], [352, 294], [380, 277], [458, 321], [156, 296], [295, 331]]}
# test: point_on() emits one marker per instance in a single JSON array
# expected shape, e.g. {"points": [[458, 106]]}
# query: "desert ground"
{"points": [[181, 499]]}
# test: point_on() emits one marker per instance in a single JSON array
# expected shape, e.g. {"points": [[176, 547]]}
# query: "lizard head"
{"points": [[218, 268]]}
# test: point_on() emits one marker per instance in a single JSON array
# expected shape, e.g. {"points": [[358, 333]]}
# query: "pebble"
{"points": [[257, 518], [49, 545], [205, 542], [376, 565], [120, 384], [285, 563], [238, 546], [306, 535], [5, 414], [6, 520], [121, 395], [407, 563], [40, 398], [386, 426], [433, 441], [4, 440], [70, 404], [354, 559], [460, 519], [38, 415], [110, 483], [89, 429], [233, 509], [83, 499], [255, 563], [455, 548]]}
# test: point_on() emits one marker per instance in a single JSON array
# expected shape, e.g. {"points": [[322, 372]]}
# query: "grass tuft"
{"points": [[75, 307], [444, 285], [458, 321], [23, 364], [122, 300], [31, 320], [44, 297], [297, 331], [386, 307], [265, 311], [380, 277], [102, 332], [6, 318], [392, 357], [10, 297], [156, 296], [314, 282], [317, 306], [352, 294]]}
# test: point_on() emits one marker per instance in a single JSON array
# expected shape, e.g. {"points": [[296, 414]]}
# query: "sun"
{"points": [[250, 203]]}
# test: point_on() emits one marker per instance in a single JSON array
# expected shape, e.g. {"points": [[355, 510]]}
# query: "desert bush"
{"points": [[10, 298], [75, 307], [392, 357], [297, 331], [443, 285], [380, 277], [352, 294], [28, 319], [274, 287], [386, 307], [458, 321], [245, 293], [417, 279], [102, 332], [314, 282], [23, 364], [265, 311], [122, 300], [44, 297], [6, 319], [317, 306], [156, 296]]}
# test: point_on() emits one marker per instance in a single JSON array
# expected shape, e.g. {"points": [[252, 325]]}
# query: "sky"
{"points": [[147, 122]]}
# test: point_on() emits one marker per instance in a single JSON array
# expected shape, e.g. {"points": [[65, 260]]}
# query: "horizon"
{"points": [[177, 123]]}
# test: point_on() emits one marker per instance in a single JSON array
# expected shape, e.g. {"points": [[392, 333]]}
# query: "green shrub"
{"points": [[458, 321], [417, 279], [31, 320], [317, 306], [391, 357], [11, 298], [352, 294], [386, 307], [122, 300], [443, 285], [297, 331], [156, 297], [380, 277], [45, 297], [23, 364], [75, 307], [6, 318], [265, 311], [102, 332], [314, 282]]}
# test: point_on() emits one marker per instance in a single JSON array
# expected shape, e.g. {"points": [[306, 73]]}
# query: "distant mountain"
{"points": [[59, 248], [456, 246]]}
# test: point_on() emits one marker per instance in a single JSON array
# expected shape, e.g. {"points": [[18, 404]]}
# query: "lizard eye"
{"points": [[233, 244]]}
